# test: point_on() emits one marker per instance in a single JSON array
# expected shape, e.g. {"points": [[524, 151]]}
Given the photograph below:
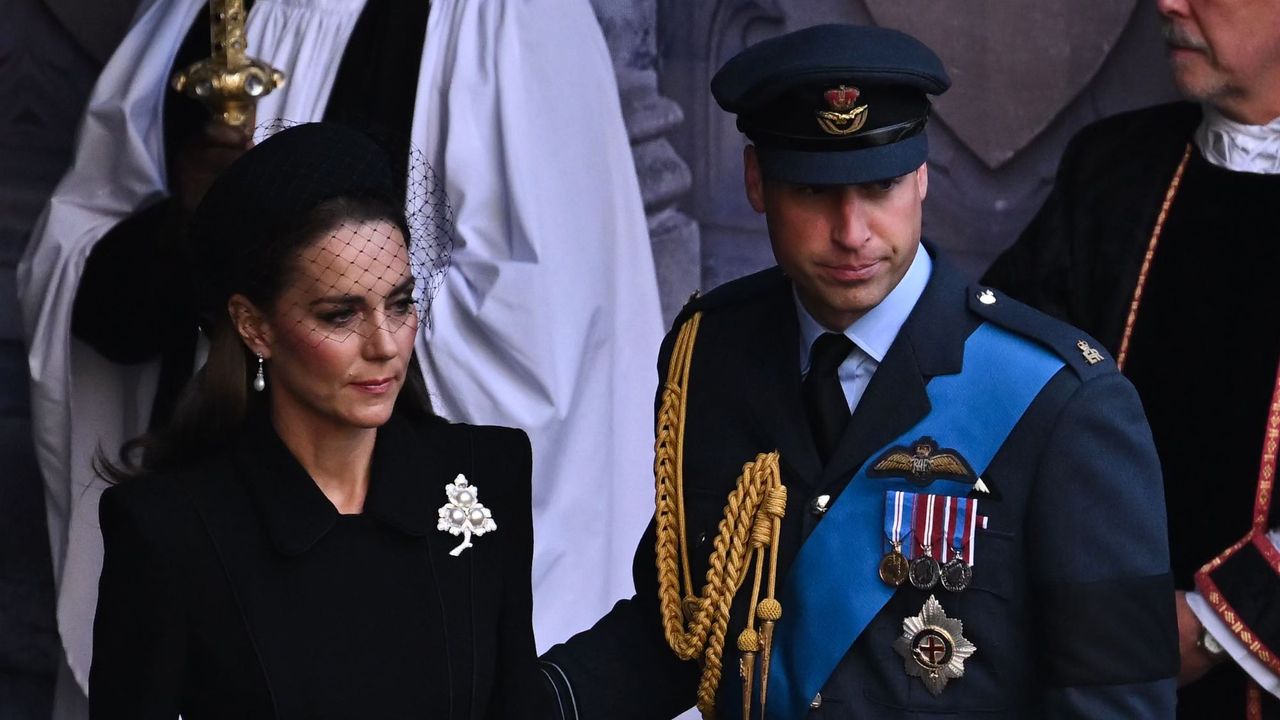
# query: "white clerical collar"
{"points": [[875, 331], [1239, 147]]}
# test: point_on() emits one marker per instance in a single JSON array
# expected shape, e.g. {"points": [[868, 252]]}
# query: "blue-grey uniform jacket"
{"points": [[1071, 606]]}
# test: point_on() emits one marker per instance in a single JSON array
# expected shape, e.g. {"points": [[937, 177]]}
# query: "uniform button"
{"points": [[817, 701], [819, 505]]}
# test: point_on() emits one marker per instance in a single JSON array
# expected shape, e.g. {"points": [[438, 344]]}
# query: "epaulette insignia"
{"points": [[1091, 355]]}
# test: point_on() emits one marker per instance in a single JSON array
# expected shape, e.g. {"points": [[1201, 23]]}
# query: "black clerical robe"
{"points": [[1204, 344]]}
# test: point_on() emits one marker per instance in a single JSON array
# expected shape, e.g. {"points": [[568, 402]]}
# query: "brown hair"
{"points": [[212, 407]]}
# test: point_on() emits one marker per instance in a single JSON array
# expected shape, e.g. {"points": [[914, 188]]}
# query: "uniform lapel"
{"points": [[930, 343]]}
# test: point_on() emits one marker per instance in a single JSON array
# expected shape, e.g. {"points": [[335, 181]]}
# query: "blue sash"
{"points": [[825, 611]]}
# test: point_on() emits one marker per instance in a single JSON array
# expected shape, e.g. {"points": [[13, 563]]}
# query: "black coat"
{"points": [[234, 589], [1071, 605]]}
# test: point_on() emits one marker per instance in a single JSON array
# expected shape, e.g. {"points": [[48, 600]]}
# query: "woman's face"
{"points": [[342, 332]]}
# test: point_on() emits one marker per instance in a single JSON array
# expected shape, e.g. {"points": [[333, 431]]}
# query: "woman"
{"points": [[305, 539]]}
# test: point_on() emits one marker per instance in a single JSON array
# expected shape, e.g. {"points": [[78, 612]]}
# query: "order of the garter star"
{"points": [[464, 514]]}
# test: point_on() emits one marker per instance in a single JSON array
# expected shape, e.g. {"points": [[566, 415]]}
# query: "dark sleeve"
{"points": [[139, 629], [137, 269], [1244, 584], [1036, 268], [518, 692], [622, 668], [1102, 593]]}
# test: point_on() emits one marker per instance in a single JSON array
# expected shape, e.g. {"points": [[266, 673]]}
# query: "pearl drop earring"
{"points": [[259, 380]]}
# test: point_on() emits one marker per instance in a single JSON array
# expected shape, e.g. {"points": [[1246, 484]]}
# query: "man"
{"points": [[547, 280], [969, 526], [1159, 238]]}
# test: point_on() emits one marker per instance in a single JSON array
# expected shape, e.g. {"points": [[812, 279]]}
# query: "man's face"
{"points": [[1226, 53], [845, 246]]}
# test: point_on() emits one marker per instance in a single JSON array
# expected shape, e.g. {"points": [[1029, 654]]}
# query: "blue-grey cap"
{"points": [[834, 104]]}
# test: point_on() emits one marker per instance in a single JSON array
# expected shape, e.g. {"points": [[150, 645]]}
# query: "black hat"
{"points": [[834, 104]]}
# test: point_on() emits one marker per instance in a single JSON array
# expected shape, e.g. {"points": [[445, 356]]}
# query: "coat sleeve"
{"points": [[518, 690], [1101, 587], [139, 631]]}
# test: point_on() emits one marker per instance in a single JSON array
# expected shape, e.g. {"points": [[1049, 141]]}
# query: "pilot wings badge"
{"points": [[922, 463]]}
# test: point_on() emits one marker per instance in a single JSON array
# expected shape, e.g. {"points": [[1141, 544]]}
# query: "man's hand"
{"points": [[1196, 661], [202, 159]]}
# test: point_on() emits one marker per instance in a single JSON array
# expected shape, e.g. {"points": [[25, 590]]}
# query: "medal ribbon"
{"points": [[898, 506], [975, 410], [970, 531], [955, 527]]}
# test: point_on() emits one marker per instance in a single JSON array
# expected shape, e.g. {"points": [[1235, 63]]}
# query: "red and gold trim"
{"points": [[1169, 195], [1257, 537], [1253, 702]]}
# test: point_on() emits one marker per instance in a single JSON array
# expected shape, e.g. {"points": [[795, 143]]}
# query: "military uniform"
{"points": [[1066, 609], [1070, 607]]}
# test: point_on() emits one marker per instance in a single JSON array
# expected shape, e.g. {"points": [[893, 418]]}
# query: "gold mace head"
{"points": [[228, 82]]}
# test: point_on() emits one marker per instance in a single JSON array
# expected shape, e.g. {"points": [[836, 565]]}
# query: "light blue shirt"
{"points": [[873, 333]]}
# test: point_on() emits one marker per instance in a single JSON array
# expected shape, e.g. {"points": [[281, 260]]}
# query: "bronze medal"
{"points": [[894, 567]]}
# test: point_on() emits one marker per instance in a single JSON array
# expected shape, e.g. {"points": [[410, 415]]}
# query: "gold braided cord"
{"points": [[695, 624]]}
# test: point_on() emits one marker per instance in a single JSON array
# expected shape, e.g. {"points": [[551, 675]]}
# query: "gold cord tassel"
{"points": [[695, 624]]}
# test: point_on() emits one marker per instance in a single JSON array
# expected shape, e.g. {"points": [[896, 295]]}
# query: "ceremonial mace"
{"points": [[228, 82]]}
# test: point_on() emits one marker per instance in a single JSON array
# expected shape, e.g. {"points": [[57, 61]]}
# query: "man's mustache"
{"points": [[1177, 36]]}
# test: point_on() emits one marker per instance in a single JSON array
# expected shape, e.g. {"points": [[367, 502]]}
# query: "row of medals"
{"points": [[925, 572]]}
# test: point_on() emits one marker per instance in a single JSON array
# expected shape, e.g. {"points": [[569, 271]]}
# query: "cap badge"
{"points": [[841, 117], [464, 514], [933, 646]]}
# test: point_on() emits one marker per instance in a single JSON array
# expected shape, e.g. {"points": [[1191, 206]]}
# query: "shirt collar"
{"points": [[875, 331], [1239, 147]]}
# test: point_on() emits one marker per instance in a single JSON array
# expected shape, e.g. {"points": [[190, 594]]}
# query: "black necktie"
{"points": [[823, 397]]}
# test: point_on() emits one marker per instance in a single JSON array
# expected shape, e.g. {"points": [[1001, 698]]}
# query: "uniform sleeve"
{"points": [[139, 629], [1102, 593], [621, 668]]}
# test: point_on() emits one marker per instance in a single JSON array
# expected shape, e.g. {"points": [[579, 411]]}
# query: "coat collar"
{"points": [[405, 476]]}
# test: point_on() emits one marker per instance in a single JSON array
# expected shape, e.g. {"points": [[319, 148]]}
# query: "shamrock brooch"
{"points": [[464, 514]]}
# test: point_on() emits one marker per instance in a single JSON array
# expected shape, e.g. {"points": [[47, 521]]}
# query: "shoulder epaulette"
{"points": [[743, 289], [1085, 355]]}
